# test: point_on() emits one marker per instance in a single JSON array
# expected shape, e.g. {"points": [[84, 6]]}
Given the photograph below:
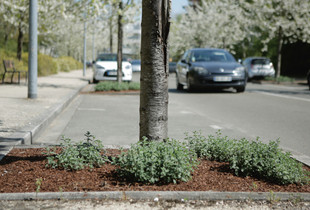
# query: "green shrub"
{"points": [[67, 64], [157, 162], [76, 156], [213, 148], [46, 65], [280, 79], [250, 158], [266, 161], [113, 85]]}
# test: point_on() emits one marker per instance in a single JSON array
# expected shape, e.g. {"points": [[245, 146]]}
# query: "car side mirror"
{"points": [[183, 61]]}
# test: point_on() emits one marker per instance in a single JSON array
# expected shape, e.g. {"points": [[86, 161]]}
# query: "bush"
{"points": [[266, 161], [46, 65], [76, 156], [113, 85], [214, 148], [67, 64], [280, 79], [157, 162]]}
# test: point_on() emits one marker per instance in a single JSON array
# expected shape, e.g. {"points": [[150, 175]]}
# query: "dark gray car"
{"points": [[210, 68]]}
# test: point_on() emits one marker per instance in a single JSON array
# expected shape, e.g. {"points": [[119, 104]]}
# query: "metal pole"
{"points": [[94, 38], [84, 56], [33, 50]]}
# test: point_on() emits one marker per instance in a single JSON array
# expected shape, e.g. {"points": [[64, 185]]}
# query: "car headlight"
{"points": [[127, 67], [239, 70], [200, 70]]}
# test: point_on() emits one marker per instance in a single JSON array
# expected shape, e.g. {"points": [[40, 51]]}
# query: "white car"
{"points": [[105, 68], [258, 67]]}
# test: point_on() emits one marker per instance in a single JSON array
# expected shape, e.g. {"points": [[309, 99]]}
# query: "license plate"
{"points": [[112, 73], [222, 79]]}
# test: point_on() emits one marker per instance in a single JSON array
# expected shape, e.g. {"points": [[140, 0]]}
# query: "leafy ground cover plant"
{"points": [[112, 85], [250, 158], [76, 156], [280, 79], [157, 162]]}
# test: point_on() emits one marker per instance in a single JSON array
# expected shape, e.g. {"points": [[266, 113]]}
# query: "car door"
{"points": [[183, 67]]}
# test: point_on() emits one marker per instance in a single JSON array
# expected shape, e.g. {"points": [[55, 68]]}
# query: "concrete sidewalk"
{"points": [[22, 119]]}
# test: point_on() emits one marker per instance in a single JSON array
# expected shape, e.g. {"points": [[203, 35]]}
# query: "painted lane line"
{"points": [[283, 96], [91, 109], [216, 127]]}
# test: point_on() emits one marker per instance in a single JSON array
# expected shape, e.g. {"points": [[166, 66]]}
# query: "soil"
{"points": [[21, 168]]}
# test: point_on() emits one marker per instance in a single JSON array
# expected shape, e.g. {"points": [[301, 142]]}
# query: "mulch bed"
{"points": [[20, 169]]}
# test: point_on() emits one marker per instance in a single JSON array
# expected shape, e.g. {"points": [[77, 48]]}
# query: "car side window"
{"points": [[185, 55]]}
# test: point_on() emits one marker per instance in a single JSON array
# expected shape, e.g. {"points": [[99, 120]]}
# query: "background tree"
{"points": [[286, 21], [154, 69]]}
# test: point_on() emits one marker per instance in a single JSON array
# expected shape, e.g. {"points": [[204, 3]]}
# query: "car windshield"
{"points": [[260, 61], [211, 56], [110, 57]]}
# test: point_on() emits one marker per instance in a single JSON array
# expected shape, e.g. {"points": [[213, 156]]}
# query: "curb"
{"points": [[160, 195]]}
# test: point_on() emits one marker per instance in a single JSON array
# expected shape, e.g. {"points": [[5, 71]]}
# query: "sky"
{"points": [[177, 6]]}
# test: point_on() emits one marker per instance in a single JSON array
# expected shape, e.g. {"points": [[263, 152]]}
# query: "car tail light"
{"points": [[271, 65]]}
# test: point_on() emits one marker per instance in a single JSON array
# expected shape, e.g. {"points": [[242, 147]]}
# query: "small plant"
{"points": [[38, 184], [112, 85], [250, 158], [157, 162], [76, 156], [280, 79], [213, 148]]}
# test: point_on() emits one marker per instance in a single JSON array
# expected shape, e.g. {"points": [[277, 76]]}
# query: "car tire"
{"points": [[95, 81], [179, 86], [240, 89]]}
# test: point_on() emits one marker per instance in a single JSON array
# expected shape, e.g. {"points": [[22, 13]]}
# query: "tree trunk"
{"points": [[111, 33], [154, 69], [120, 44], [20, 41], [280, 43]]}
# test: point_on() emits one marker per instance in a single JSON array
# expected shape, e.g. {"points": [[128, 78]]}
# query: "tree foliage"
{"points": [[240, 25]]}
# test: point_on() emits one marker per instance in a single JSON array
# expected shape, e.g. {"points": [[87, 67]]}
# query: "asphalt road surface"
{"points": [[267, 111]]}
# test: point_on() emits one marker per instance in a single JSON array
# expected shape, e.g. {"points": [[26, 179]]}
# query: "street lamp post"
{"points": [[33, 50]]}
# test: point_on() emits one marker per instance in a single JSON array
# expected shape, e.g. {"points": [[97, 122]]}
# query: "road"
{"points": [[269, 112]]}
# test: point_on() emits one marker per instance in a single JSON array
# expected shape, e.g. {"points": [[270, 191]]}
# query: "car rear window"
{"points": [[260, 61]]}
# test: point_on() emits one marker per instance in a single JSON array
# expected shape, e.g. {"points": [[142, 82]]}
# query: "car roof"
{"points": [[203, 49], [258, 58]]}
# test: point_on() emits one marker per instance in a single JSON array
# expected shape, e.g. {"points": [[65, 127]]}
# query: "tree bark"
{"points": [[120, 44], [279, 56], [154, 69], [111, 33], [20, 41]]}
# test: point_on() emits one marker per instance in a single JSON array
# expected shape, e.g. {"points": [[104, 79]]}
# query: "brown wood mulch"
{"points": [[21, 168]]}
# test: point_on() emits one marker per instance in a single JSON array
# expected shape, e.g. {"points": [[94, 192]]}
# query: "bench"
{"points": [[10, 68]]}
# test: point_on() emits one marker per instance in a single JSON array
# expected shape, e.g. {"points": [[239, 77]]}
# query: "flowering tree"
{"points": [[212, 24], [287, 21]]}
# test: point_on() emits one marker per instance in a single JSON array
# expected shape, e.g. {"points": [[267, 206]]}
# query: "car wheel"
{"points": [[179, 86], [95, 81], [240, 89]]}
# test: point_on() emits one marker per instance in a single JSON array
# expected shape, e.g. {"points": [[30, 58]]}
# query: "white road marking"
{"points": [[216, 127], [91, 109], [283, 96], [186, 112]]}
